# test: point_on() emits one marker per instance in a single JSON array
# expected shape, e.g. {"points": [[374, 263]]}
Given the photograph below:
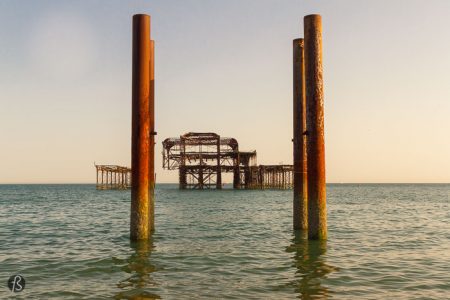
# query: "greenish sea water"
{"points": [[71, 242]]}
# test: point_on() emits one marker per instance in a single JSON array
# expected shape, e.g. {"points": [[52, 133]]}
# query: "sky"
{"points": [[225, 67]]}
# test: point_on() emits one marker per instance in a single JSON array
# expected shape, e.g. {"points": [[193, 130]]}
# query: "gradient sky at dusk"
{"points": [[226, 67]]}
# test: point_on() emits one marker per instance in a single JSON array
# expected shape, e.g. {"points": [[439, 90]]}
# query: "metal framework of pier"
{"points": [[112, 177], [270, 177], [200, 159]]}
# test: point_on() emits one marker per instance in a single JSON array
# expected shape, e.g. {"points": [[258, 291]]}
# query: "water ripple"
{"points": [[71, 242]]}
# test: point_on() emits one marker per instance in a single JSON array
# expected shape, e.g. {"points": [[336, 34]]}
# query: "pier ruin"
{"points": [[113, 177], [201, 158]]}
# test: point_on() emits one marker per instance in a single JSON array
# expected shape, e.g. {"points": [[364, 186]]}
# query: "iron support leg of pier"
{"points": [[140, 221], [317, 211], [151, 168], [299, 141]]}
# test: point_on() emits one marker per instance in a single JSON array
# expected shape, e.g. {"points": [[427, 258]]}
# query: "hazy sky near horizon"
{"points": [[226, 67]]}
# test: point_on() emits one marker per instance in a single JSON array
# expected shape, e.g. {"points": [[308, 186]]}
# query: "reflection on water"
{"points": [[140, 268], [311, 267]]}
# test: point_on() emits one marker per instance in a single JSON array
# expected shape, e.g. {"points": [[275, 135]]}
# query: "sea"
{"points": [[385, 241]]}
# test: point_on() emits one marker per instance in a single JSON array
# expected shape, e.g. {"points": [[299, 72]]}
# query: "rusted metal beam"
{"points": [[317, 211], [300, 205], [140, 133]]}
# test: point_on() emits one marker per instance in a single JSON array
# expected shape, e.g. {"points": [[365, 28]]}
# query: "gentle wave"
{"points": [[71, 242]]}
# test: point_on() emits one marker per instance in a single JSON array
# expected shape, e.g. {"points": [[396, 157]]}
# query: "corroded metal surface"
{"points": [[317, 218], [140, 136], [300, 205]]}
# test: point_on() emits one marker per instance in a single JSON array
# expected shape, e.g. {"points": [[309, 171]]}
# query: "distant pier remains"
{"points": [[112, 177], [201, 158]]}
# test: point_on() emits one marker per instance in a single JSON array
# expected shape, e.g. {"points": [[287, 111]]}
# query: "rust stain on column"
{"points": [[317, 211], [300, 179], [140, 131], [151, 168]]}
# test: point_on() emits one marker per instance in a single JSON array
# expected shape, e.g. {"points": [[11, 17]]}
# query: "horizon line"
{"points": [[90, 183]]}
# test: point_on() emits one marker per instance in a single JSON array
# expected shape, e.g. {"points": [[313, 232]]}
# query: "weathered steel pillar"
{"points": [[317, 210], [140, 135], [151, 168], [300, 179]]}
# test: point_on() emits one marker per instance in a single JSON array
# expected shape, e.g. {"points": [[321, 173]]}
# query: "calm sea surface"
{"points": [[71, 242]]}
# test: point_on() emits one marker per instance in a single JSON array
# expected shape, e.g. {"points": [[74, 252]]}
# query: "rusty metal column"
{"points": [[140, 133], [317, 210], [236, 170], [219, 169], [300, 179], [151, 167], [182, 169]]}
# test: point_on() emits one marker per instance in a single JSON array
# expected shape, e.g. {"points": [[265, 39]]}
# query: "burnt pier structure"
{"points": [[113, 177], [201, 158]]}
